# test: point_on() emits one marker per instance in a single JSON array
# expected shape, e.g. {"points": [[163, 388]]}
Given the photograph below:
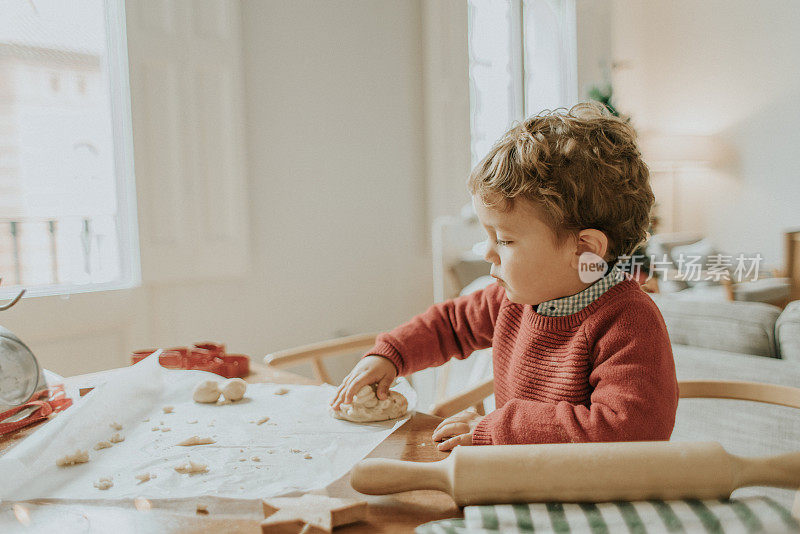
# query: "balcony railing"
{"points": [[60, 250]]}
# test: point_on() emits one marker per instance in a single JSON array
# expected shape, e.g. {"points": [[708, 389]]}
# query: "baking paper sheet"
{"points": [[248, 460]]}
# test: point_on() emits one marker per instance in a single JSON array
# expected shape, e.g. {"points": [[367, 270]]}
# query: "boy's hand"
{"points": [[369, 370], [458, 429]]}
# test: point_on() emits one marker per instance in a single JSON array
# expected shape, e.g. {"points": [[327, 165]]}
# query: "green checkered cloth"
{"points": [[746, 515]]}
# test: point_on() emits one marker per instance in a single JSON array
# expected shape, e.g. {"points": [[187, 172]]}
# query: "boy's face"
{"points": [[524, 258]]}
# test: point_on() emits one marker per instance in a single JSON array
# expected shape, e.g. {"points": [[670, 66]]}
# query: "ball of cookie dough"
{"points": [[234, 389], [206, 391], [367, 407]]}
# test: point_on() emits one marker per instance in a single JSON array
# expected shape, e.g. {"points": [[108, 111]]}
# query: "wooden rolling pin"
{"points": [[580, 472]]}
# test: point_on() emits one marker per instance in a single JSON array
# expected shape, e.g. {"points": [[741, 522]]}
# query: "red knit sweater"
{"points": [[605, 373]]}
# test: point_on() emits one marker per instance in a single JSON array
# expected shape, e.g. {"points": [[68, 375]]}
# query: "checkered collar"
{"points": [[575, 303]]}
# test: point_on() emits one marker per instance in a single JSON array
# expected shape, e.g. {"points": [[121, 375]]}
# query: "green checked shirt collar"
{"points": [[578, 301]]}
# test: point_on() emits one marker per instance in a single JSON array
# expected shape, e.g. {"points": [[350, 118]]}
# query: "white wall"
{"points": [[334, 117], [726, 68]]}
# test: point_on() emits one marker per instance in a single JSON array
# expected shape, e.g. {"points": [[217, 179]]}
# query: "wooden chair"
{"points": [[688, 389], [316, 352]]}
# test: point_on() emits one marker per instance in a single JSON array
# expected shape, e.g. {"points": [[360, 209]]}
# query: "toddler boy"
{"points": [[575, 359]]}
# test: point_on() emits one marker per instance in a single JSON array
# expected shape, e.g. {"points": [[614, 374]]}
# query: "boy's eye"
{"points": [[502, 243]]}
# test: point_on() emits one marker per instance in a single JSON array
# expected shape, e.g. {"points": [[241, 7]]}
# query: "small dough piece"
{"points": [[168, 409], [233, 389], [196, 440], [155, 429], [102, 445], [255, 459], [145, 477], [165, 429], [206, 392], [307, 456], [281, 391], [77, 457], [262, 420], [366, 406], [104, 483], [116, 438], [116, 426], [191, 468]]}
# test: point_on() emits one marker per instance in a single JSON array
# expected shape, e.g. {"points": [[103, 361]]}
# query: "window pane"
{"points": [[550, 55], [494, 72], [60, 191]]}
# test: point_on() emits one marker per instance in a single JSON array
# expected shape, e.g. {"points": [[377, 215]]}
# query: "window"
{"points": [[522, 60], [67, 202]]}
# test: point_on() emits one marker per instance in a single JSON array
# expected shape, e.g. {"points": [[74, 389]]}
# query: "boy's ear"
{"points": [[590, 240]]}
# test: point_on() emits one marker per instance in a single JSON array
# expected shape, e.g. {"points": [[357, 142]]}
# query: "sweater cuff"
{"points": [[386, 350], [481, 435]]}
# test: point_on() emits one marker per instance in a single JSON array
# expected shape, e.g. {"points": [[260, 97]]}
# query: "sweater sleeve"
{"points": [[454, 328], [634, 388]]}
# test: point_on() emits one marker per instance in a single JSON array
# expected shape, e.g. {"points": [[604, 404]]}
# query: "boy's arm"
{"points": [[453, 328], [634, 397]]}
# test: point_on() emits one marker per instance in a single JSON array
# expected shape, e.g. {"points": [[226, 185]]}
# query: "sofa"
{"points": [[727, 340]]}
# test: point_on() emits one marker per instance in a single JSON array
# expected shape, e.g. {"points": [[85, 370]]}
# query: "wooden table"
{"points": [[391, 513]]}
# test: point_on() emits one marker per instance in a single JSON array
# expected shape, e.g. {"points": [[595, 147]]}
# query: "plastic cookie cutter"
{"points": [[206, 356]]}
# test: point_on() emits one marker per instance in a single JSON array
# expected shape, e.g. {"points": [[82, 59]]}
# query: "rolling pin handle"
{"points": [[381, 476], [781, 471]]}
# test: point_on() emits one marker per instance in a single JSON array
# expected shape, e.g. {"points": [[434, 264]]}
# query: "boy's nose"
{"points": [[488, 252]]}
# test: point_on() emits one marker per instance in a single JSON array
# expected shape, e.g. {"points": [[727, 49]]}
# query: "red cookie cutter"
{"points": [[47, 401], [207, 356]]}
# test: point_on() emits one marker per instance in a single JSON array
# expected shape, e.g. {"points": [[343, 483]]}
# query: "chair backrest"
{"points": [[688, 389], [740, 390], [316, 352]]}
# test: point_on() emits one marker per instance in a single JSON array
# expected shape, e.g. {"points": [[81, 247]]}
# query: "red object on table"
{"points": [[206, 356], [49, 401]]}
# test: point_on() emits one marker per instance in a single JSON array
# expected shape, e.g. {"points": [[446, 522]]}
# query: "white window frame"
{"points": [[127, 227]]}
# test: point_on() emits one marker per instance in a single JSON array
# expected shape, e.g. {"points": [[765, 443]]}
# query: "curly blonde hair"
{"points": [[582, 167]]}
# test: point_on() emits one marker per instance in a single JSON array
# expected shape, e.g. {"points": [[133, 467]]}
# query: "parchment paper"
{"points": [[248, 460]]}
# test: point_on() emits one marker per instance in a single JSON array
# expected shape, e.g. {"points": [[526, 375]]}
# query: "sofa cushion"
{"points": [[743, 427], [787, 332], [742, 327]]}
